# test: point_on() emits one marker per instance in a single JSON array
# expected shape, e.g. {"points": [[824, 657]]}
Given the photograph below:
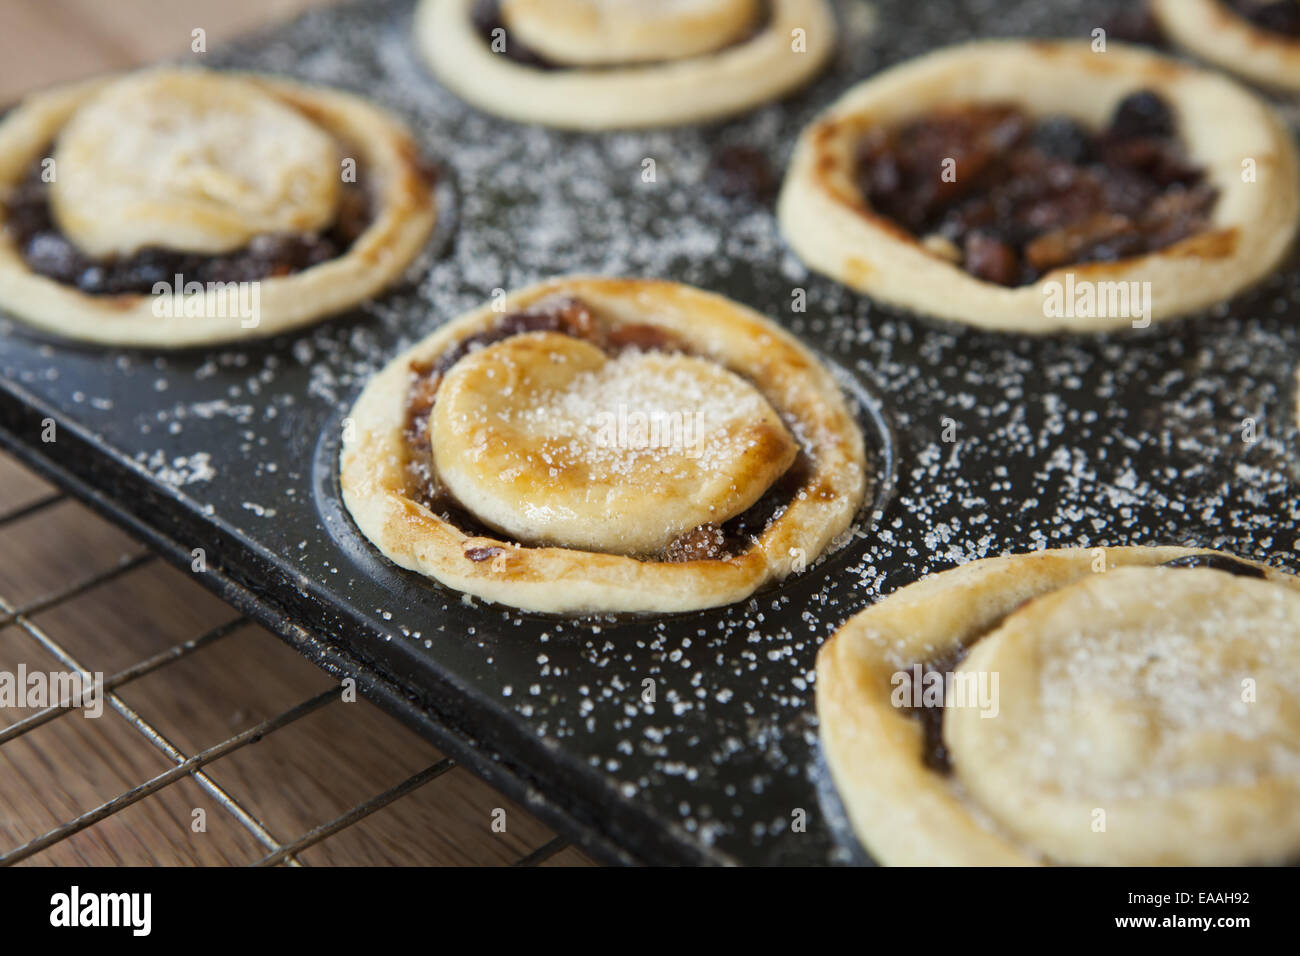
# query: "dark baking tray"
{"points": [[1129, 438]]}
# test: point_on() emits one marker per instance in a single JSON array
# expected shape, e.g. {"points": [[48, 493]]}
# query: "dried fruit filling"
{"points": [[570, 316], [1009, 198]]}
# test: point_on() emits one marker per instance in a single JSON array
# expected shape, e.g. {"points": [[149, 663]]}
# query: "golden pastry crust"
{"points": [[525, 436], [1216, 33], [826, 221], [1177, 785], [614, 32], [131, 176], [404, 215], [570, 581], [681, 90]]}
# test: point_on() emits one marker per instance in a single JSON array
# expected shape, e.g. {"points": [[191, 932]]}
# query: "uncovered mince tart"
{"points": [[597, 64], [1257, 39], [973, 183], [1120, 706], [604, 445], [201, 180]]}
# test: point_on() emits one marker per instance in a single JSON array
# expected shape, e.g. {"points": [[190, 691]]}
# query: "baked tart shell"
{"points": [[1223, 125], [906, 813], [692, 89], [1218, 35], [563, 580], [403, 217]]}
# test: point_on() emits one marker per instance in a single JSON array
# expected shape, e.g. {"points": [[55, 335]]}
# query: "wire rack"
{"points": [[278, 852]]}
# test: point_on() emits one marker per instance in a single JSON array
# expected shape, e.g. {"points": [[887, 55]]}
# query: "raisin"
{"points": [[94, 280], [146, 269], [49, 254], [1062, 138], [485, 15], [353, 217], [280, 252], [990, 259], [1142, 114]]}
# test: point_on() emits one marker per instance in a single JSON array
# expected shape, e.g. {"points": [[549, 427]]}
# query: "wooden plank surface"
{"points": [[296, 778], [52, 41]]}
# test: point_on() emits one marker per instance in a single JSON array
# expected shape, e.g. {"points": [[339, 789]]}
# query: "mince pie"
{"points": [[1256, 39], [1123, 706], [599, 64], [172, 208], [604, 445], [1040, 186]]}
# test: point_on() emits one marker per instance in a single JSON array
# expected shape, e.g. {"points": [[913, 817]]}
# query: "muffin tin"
{"points": [[1139, 437]]}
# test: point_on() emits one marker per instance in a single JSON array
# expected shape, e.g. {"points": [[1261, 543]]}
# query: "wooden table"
{"points": [[312, 772]]}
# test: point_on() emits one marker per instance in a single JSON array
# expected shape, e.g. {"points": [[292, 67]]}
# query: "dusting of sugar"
{"points": [[1065, 441], [1142, 683]]}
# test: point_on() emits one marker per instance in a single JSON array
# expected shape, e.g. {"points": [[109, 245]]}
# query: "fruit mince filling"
{"points": [[29, 223], [1027, 196], [570, 316]]}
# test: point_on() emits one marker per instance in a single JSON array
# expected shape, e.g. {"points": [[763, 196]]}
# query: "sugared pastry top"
{"points": [[218, 164], [1122, 706], [970, 183], [600, 64], [1256, 39], [112, 187], [604, 445], [528, 458]]}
